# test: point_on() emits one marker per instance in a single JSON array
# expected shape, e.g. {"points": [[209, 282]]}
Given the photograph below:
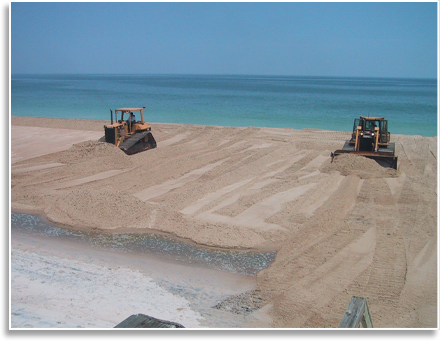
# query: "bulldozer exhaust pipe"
{"points": [[111, 116]]}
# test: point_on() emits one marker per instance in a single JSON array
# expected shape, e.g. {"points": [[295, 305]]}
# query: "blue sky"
{"points": [[304, 39]]}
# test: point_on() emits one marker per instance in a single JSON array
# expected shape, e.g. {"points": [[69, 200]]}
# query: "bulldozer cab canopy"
{"points": [[372, 118], [129, 111]]}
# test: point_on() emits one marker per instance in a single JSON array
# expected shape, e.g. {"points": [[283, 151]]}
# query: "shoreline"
{"points": [[253, 188], [82, 123], [176, 238]]}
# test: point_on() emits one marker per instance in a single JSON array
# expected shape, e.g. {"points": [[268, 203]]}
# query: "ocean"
{"points": [[331, 103]]}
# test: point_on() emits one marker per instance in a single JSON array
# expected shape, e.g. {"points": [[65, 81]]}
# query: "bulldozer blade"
{"points": [[384, 156], [384, 159]]}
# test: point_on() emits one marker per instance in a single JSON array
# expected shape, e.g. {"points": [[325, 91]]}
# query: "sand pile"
{"points": [[89, 150], [244, 303], [363, 167], [97, 207], [102, 208]]}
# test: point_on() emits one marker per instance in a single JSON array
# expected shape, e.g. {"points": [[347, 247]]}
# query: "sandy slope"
{"points": [[342, 229]]}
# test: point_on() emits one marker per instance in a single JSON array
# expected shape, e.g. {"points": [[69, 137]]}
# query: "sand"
{"points": [[341, 229]]}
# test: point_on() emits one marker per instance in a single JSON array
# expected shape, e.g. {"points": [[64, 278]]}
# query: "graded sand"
{"points": [[342, 229]]}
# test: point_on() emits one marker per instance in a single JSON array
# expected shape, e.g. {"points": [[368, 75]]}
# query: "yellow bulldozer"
{"points": [[371, 138], [128, 133]]}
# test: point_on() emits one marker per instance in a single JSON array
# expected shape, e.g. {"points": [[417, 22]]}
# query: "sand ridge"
{"points": [[344, 228]]}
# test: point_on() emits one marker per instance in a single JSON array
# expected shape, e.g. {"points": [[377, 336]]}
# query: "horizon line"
{"points": [[214, 74]]}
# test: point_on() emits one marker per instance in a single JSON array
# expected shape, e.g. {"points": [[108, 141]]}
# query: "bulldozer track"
{"points": [[130, 142]]}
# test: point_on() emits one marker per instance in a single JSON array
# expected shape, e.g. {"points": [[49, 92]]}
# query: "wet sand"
{"points": [[342, 229], [70, 284]]}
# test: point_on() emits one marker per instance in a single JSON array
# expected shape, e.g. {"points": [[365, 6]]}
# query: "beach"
{"points": [[344, 228]]}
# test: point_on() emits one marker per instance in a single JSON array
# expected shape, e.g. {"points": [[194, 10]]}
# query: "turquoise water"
{"points": [[330, 103]]}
